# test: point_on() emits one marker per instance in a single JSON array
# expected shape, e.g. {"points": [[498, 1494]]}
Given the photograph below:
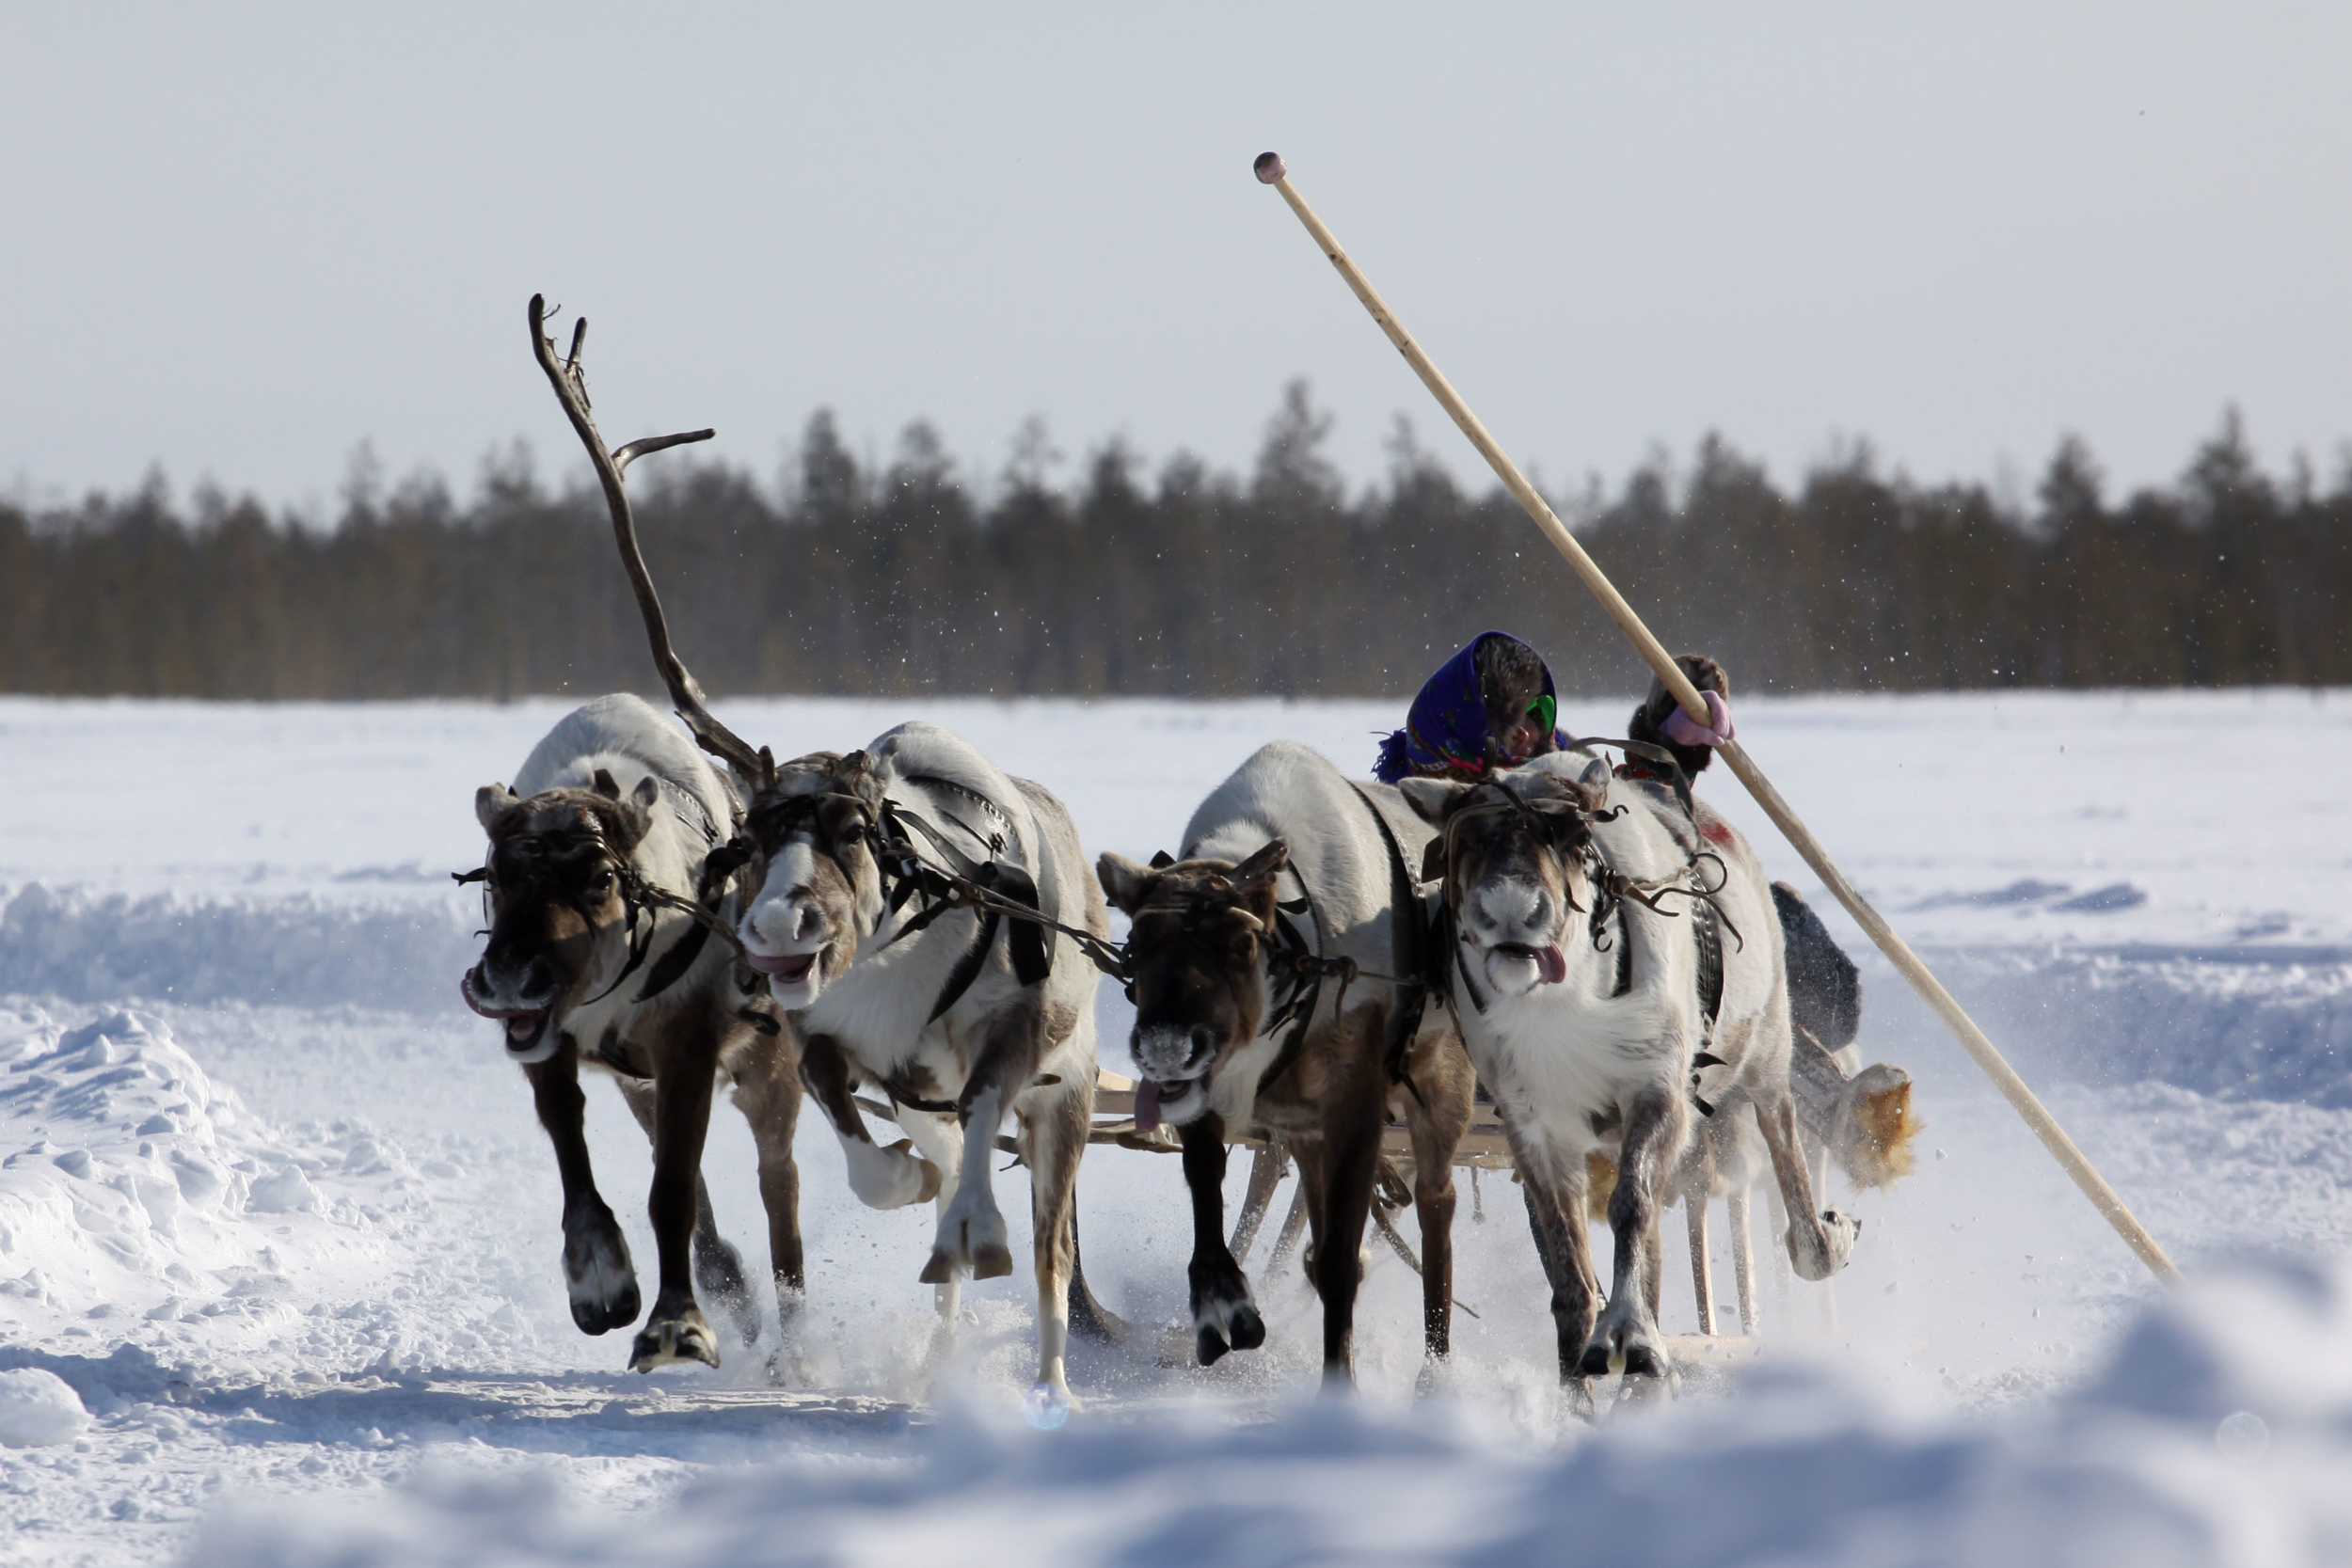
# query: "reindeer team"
{"points": [[907, 930]]}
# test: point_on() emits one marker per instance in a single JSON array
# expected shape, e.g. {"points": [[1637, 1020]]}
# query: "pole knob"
{"points": [[1269, 168]]}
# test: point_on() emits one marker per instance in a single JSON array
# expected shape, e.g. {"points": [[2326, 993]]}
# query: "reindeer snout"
{"points": [[1518, 910], [792, 922], [1172, 1052], [532, 982]]}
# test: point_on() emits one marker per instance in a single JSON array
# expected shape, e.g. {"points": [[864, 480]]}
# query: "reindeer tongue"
{"points": [[1148, 1105], [1552, 965]]}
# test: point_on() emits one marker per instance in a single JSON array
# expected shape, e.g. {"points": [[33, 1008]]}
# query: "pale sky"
{"points": [[240, 240]]}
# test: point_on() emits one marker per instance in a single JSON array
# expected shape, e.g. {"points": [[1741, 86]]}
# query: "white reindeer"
{"points": [[1580, 975], [959, 1016], [895, 976]]}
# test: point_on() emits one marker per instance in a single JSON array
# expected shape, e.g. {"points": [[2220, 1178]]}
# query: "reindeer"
{"points": [[1244, 1020], [1853, 1118], [1599, 1039], [919, 915], [959, 1011], [608, 866]]}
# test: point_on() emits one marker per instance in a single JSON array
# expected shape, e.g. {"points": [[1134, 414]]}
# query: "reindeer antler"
{"points": [[756, 767]]}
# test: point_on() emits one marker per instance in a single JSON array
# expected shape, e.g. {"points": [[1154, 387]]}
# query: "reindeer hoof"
{"points": [[1226, 1326], [683, 1338], [1832, 1245], [1236, 1327], [1644, 1361], [991, 1261], [940, 1270], [603, 1314], [597, 1276], [1595, 1361], [1046, 1406]]}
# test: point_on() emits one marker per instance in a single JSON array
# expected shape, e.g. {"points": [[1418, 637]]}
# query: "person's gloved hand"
{"points": [[1679, 728]]}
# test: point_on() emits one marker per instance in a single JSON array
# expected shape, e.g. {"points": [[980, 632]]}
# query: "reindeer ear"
{"points": [[1263, 867], [1162, 860], [1433, 799], [489, 800], [604, 785], [1594, 783], [647, 794], [1432, 860], [1125, 882]]}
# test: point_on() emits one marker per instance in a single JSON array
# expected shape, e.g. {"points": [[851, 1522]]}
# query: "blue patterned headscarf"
{"points": [[1445, 731]]}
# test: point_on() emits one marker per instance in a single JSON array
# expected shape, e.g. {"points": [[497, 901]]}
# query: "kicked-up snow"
{"points": [[279, 1242], [2219, 1432]]}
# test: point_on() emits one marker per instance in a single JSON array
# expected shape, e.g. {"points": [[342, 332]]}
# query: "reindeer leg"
{"points": [[1293, 1222], [768, 1092], [597, 1275], [1557, 1196], [676, 1330], [1436, 1123], [1052, 1140], [1266, 1174], [1351, 1156], [1627, 1328], [1735, 1206], [1654, 1266], [718, 1267], [972, 1235], [1223, 1315], [1816, 1247], [1702, 1266], [881, 1178], [1697, 1179]]}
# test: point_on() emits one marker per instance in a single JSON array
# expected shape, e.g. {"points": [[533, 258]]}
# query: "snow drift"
{"points": [[2218, 1433]]}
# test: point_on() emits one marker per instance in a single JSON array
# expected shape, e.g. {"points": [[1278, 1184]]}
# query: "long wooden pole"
{"points": [[1270, 171]]}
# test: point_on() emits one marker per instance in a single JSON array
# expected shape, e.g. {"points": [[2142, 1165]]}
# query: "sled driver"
{"points": [[1492, 706]]}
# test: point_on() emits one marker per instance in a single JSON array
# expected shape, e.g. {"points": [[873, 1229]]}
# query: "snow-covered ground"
{"points": [[277, 1234]]}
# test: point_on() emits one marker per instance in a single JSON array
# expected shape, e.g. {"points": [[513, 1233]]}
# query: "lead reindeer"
{"points": [[1245, 1019], [607, 868], [924, 919], [1598, 1005]]}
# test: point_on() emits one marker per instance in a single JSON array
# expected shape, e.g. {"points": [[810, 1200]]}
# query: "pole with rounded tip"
{"points": [[1270, 171]]}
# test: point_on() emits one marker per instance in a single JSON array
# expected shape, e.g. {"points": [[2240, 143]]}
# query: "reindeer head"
{"points": [[1512, 852], [820, 890], [1197, 952], [557, 879]]}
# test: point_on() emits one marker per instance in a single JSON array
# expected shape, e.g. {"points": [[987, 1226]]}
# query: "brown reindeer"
{"points": [[1248, 1017]]}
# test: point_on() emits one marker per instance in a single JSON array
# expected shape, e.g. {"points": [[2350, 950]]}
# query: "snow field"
{"points": [[276, 1214]]}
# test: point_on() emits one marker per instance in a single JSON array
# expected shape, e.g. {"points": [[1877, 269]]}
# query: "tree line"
{"points": [[903, 578]]}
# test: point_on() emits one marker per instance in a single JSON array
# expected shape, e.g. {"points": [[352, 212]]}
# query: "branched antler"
{"points": [[756, 767]]}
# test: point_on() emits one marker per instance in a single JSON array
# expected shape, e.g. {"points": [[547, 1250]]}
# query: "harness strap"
{"points": [[1299, 990], [967, 966], [1406, 942]]}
